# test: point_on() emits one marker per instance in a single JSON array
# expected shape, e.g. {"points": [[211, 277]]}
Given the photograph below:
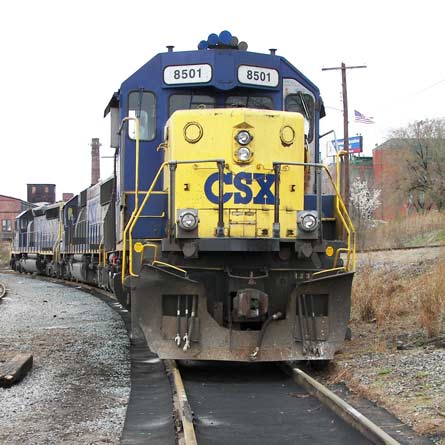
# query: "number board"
{"points": [[257, 75], [180, 74]]}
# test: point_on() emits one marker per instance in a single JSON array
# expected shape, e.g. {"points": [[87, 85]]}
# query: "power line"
{"points": [[428, 87]]}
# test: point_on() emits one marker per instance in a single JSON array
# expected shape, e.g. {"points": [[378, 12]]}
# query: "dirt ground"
{"points": [[390, 360]]}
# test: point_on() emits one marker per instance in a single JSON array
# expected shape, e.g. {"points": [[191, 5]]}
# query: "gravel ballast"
{"points": [[393, 362], [77, 391]]}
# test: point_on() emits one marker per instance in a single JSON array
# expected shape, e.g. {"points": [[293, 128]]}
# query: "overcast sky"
{"points": [[61, 60]]}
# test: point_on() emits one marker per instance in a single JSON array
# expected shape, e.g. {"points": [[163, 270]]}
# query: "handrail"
{"points": [[136, 199], [102, 253], [137, 211], [340, 207], [136, 214], [137, 150], [337, 166], [334, 269], [56, 246], [133, 218]]}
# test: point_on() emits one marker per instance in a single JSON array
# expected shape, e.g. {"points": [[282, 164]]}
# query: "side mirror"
{"points": [[114, 127]]}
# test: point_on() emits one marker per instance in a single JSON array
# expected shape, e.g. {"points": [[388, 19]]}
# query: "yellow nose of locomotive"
{"points": [[248, 141]]}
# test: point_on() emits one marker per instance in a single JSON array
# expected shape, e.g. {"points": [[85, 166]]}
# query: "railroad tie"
{"points": [[15, 369]]}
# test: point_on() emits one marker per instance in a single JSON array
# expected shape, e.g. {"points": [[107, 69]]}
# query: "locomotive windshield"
{"points": [[190, 102], [261, 102], [193, 101]]}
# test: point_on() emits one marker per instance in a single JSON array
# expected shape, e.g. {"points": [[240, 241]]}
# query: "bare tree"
{"points": [[422, 170]]}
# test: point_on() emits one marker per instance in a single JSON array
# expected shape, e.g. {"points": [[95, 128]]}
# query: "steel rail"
{"points": [[170, 365], [333, 402], [184, 410], [390, 249], [348, 413]]}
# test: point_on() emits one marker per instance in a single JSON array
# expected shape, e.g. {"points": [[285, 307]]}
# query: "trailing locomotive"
{"points": [[213, 227]]}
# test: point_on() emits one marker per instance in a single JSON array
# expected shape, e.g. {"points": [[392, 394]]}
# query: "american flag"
{"points": [[362, 119]]}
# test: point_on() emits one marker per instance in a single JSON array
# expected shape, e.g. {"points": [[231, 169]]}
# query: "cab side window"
{"points": [[142, 104]]}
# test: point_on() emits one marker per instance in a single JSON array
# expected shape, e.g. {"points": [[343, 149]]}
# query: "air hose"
{"points": [[273, 317]]}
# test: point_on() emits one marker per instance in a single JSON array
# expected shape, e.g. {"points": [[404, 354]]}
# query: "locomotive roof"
{"points": [[223, 67]]}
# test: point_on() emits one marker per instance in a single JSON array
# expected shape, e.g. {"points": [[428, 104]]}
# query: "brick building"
{"points": [[38, 193], [388, 164], [384, 171], [9, 208]]}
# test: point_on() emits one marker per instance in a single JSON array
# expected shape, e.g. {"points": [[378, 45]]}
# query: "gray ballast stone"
{"points": [[78, 389]]}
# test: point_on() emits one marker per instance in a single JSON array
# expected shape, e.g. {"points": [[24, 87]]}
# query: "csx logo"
{"points": [[242, 183]]}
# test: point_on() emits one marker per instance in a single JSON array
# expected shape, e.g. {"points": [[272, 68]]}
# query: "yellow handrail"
{"points": [[337, 166], [128, 230], [137, 212], [102, 253], [132, 222], [334, 269], [56, 246], [137, 149], [136, 188], [340, 207], [171, 266], [349, 226], [155, 247]]}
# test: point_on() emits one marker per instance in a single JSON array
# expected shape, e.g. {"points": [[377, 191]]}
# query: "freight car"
{"points": [[213, 227]]}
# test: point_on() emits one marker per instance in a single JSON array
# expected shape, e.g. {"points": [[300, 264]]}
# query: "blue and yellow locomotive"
{"points": [[213, 228]]}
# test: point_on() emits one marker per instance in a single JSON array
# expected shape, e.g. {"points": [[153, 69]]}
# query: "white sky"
{"points": [[61, 60]]}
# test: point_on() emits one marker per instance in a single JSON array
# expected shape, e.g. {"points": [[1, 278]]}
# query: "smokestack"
{"points": [[95, 160]]}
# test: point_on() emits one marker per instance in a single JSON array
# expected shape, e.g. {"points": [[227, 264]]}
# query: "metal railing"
{"points": [[173, 165], [136, 214], [340, 208]]}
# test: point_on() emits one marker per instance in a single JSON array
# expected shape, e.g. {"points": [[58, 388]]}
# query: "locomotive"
{"points": [[213, 228]]}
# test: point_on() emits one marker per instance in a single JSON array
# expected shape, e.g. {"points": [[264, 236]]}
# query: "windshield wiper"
{"points": [[306, 110]]}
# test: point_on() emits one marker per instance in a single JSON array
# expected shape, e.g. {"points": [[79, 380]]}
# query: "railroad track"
{"points": [[390, 249], [239, 403], [236, 403]]}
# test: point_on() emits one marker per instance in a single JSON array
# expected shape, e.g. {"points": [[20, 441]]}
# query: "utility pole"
{"points": [[343, 69]]}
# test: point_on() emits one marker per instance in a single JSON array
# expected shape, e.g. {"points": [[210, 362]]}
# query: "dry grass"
{"points": [[4, 254], [379, 295], [383, 296], [414, 230], [431, 299]]}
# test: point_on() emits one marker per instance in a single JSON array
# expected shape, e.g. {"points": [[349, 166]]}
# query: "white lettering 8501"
{"points": [[257, 75], [187, 74]]}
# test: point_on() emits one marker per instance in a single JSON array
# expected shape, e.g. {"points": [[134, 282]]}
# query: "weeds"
{"points": [[431, 296], [384, 295], [413, 230], [377, 295], [4, 253]]}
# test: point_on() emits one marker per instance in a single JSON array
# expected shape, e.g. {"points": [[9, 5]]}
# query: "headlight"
{"points": [[309, 222], [243, 154], [188, 220], [243, 137]]}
